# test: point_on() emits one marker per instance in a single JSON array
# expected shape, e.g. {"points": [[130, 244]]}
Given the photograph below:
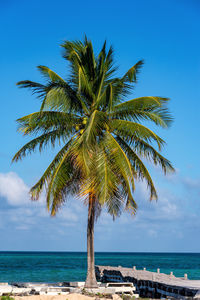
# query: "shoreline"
{"points": [[66, 291], [74, 296]]}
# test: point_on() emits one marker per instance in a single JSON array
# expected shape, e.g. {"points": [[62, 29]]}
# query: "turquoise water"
{"points": [[71, 266]]}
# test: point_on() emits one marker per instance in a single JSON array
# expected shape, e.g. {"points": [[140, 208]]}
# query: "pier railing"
{"points": [[151, 284]]}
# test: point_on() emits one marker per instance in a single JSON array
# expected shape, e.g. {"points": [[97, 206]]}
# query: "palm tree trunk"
{"points": [[91, 281]]}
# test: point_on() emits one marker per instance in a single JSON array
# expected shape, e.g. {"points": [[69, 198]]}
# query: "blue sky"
{"points": [[163, 33]]}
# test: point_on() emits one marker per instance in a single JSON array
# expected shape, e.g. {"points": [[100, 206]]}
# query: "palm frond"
{"points": [[37, 88], [131, 130], [148, 152], [106, 180], [58, 181], [81, 156], [139, 167], [84, 85], [131, 74], [111, 185], [116, 153], [41, 142], [61, 97], [106, 99], [46, 121], [144, 108], [44, 180], [49, 74], [95, 125]]}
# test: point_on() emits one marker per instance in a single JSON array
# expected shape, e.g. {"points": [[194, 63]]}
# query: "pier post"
{"points": [[154, 284]]}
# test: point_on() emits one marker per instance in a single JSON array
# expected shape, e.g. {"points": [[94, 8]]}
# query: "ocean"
{"points": [[71, 266]]}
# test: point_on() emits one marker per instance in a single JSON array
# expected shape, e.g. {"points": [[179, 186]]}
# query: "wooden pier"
{"points": [[151, 284]]}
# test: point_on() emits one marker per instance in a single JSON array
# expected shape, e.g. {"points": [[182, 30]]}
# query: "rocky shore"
{"points": [[57, 291], [73, 296]]}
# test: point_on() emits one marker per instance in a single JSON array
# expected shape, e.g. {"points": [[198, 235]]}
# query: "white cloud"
{"points": [[23, 214], [151, 217], [16, 191], [171, 217], [13, 188]]}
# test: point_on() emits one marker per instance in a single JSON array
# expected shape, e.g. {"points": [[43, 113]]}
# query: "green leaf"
{"points": [[144, 108], [131, 130], [95, 125], [131, 74], [139, 167], [44, 180], [49, 74], [41, 142], [120, 158], [148, 152], [46, 121]]}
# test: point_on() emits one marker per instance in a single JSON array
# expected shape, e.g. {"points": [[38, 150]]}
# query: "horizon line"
{"points": [[70, 251]]}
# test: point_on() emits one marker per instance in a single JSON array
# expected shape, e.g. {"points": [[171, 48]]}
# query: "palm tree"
{"points": [[103, 139]]}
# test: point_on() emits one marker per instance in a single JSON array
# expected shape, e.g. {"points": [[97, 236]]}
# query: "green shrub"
{"points": [[7, 298]]}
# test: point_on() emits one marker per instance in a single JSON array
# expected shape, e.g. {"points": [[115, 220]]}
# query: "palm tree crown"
{"points": [[103, 139]]}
